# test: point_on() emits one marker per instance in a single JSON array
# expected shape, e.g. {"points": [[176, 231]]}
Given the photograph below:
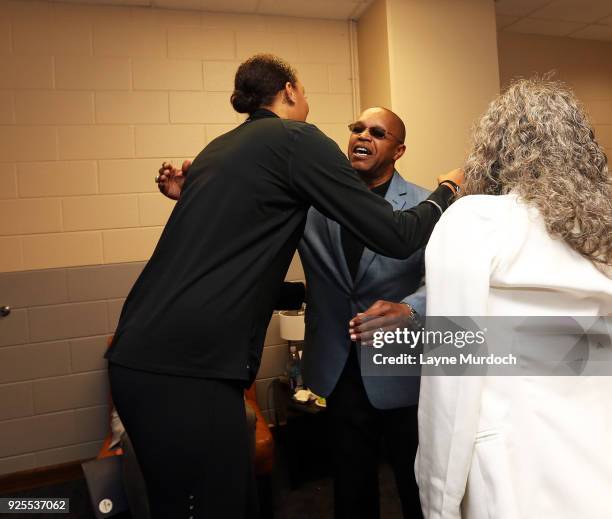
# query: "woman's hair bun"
{"points": [[258, 80], [245, 103]]}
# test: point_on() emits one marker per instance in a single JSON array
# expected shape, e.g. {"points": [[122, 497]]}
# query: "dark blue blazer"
{"points": [[334, 298]]}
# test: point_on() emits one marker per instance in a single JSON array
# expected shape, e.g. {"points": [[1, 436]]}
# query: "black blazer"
{"points": [[203, 302]]}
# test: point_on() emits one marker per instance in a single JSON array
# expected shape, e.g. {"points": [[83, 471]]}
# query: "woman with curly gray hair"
{"points": [[531, 235]]}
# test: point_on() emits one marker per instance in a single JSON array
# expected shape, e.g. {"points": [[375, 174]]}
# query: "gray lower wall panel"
{"points": [[53, 385], [14, 328], [16, 400], [87, 354], [34, 361], [48, 323]]}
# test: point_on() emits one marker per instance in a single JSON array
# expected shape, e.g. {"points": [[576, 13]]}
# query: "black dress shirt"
{"points": [[352, 247], [203, 302]]}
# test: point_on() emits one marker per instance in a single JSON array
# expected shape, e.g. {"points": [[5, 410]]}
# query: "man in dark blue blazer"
{"points": [[342, 279]]}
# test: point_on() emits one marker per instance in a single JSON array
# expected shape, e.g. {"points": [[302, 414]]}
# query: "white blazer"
{"points": [[512, 447]]}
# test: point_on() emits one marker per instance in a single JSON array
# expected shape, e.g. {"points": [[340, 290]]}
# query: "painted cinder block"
{"points": [[201, 107], [87, 354], [25, 72], [314, 77], [603, 134], [133, 175], [172, 19], [219, 75], [599, 110], [129, 38], [47, 107], [60, 37], [92, 423], [340, 79], [48, 323], [201, 43], [330, 49], [61, 250], [99, 282], [7, 108], [131, 107], [58, 178], [338, 133], [14, 327], [99, 212], [154, 209], [114, 312], [16, 143], [283, 44], [95, 142], [11, 258], [30, 216], [70, 392], [25, 435], [33, 288], [34, 361], [167, 74], [169, 140], [330, 108], [16, 400], [92, 73], [8, 179], [6, 46], [125, 245]]}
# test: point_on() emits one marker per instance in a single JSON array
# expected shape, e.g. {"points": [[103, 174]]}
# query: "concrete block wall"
{"points": [[584, 65], [92, 100]]}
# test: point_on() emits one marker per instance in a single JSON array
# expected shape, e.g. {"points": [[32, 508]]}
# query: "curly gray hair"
{"points": [[536, 140]]}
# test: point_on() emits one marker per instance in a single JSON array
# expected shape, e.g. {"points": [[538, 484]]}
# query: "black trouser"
{"points": [[190, 438], [358, 431]]}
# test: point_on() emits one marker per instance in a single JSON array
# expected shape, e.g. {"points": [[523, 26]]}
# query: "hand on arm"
{"points": [[170, 179]]}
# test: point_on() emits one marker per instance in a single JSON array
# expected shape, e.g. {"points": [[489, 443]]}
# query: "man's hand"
{"points": [[381, 316], [170, 179], [456, 175]]}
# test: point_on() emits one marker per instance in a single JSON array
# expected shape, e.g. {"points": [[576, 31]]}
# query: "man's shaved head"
{"points": [[376, 142], [395, 121]]}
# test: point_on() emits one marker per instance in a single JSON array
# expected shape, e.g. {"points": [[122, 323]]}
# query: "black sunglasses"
{"points": [[375, 131]]}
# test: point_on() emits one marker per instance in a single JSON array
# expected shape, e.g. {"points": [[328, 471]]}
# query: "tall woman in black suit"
{"points": [[191, 332]]}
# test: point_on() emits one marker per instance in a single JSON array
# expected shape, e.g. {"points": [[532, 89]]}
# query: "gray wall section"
{"points": [[53, 384]]}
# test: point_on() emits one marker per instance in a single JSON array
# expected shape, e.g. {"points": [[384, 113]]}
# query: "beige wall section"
{"points": [[443, 63], [442, 73], [584, 65], [93, 98], [373, 47]]}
